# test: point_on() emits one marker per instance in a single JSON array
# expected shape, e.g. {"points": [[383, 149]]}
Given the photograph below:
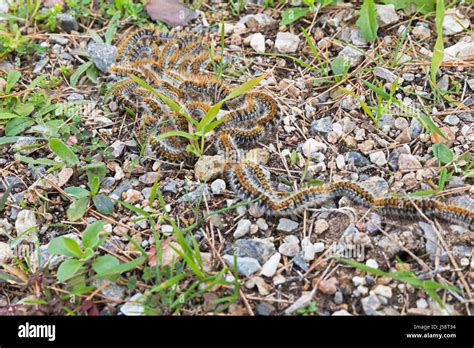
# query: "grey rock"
{"points": [[386, 15], [39, 66], [357, 159], [171, 186], [264, 309], [290, 247], [389, 246], [270, 267], [338, 297], [67, 22], [454, 22], [323, 125], [112, 291], [378, 158], [467, 116], [385, 74], [118, 147], [243, 227], [262, 224], [408, 77], [408, 162], [75, 97], [376, 185], [246, 266], [415, 128], [286, 42], [357, 39], [253, 248], [370, 304], [421, 32], [432, 242], [452, 120], [123, 187], [443, 83], [299, 261], [287, 225], [354, 56], [59, 39], [386, 121], [103, 55], [134, 306], [374, 223], [257, 42], [258, 22], [218, 187], [194, 196]]}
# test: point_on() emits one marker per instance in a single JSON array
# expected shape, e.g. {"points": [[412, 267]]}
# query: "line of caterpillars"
{"points": [[179, 67]]}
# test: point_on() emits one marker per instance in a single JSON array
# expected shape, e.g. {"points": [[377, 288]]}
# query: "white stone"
{"points": [[372, 263], [134, 306], [386, 15], [26, 221], [257, 42], [421, 32], [287, 42], [463, 50], [5, 252], [312, 146], [455, 22], [218, 187], [385, 74], [383, 290], [378, 158], [270, 267], [243, 227]]}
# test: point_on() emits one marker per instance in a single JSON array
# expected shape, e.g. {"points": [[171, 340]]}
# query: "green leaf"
{"points": [[340, 66], [112, 29], [4, 197], [65, 246], [97, 39], [18, 125], [92, 74], [443, 153], [77, 192], [244, 87], [24, 109], [79, 72], [106, 265], [171, 103], [103, 204], [438, 52], [90, 236], [12, 78], [367, 21], [8, 140], [77, 209], [68, 269], [63, 151], [37, 161], [124, 267], [5, 115], [293, 14]]}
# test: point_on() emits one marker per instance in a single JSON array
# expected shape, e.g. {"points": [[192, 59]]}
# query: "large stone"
{"points": [[463, 50], [386, 15], [103, 55], [208, 167], [287, 42], [455, 22]]}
